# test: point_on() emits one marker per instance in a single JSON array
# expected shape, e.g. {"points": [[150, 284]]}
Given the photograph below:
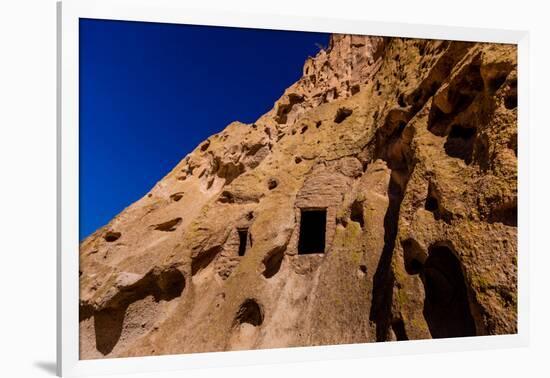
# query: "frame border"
{"points": [[171, 11]]}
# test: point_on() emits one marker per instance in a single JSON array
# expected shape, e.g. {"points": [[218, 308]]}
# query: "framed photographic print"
{"points": [[250, 187]]}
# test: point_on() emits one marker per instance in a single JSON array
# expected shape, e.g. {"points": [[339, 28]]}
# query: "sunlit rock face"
{"points": [[376, 201]]}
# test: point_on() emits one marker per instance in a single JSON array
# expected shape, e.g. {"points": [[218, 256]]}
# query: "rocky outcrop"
{"points": [[376, 201]]}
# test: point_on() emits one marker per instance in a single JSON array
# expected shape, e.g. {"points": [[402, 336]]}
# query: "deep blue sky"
{"points": [[149, 93]]}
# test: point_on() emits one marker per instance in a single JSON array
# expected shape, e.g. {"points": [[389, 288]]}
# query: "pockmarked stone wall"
{"points": [[409, 149]]}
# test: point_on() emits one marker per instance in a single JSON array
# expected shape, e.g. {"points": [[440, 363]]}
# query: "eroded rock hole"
{"points": [[511, 98], [446, 306], [250, 312], [506, 214], [168, 226], [342, 114], [176, 196], [226, 197], [109, 323], [312, 231], [171, 283], [111, 236], [202, 260], [205, 146], [297, 160], [357, 213], [272, 262], [432, 202], [496, 82], [437, 121], [401, 100], [460, 142], [243, 240], [272, 184], [511, 101]]}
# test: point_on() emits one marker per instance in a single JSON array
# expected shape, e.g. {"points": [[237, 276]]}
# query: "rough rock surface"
{"points": [[376, 201]]}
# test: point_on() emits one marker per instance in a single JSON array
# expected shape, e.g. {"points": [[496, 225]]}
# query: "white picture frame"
{"points": [[173, 11]]}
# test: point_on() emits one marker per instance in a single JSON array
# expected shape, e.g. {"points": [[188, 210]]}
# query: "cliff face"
{"points": [[377, 201]]}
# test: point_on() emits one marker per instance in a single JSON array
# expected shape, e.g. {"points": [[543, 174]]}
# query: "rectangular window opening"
{"points": [[313, 223], [243, 236]]}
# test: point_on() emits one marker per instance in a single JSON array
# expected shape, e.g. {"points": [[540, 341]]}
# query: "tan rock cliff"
{"points": [[377, 201]]}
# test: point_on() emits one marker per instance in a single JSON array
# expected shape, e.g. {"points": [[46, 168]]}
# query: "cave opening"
{"points": [[342, 114], [312, 231], [243, 237], [460, 142], [357, 213], [250, 312], [446, 306]]}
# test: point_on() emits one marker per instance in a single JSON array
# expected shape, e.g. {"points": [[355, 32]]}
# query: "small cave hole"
{"points": [[250, 215], [511, 98], [203, 260], [297, 160], [272, 184], [460, 142], [304, 129], [111, 236], [171, 283], [432, 203], [205, 146], [401, 100], [506, 214], [312, 231], [318, 124], [437, 121], [110, 322], [243, 238], [511, 101], [355, 89], [168, 226], [272, 262], [496, 82], [226, 197], [250, 312], [176, 196], [342, 114], [356, 214]]}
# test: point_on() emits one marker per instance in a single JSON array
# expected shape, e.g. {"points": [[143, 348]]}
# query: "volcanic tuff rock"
{"points": [[376, 201]]}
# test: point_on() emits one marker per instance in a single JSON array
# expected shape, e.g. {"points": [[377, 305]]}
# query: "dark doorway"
{"points": [[243, 236], [446, 306], [312, 231]]}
